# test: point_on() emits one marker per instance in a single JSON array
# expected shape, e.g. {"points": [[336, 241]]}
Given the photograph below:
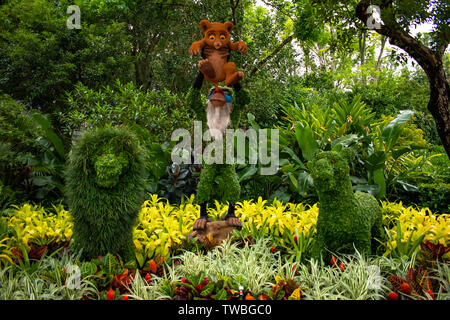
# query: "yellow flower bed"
{"points": [[34, 222], [414, 223], [162, 226]]}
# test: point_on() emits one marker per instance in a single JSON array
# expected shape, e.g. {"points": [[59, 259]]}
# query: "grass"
{"points": [[43, 280], [254, 266]]}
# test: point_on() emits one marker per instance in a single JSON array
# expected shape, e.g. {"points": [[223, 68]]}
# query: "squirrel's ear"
{"points": [[229, 25], [205, 25], [348, 154], [316, 154]]}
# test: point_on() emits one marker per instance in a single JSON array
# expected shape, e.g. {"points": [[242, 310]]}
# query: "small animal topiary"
{"points": [[346, 220], [105, 190]]}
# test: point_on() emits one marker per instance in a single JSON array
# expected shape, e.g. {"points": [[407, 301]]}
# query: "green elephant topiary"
{"points": [[346, 220], [105, 190]]}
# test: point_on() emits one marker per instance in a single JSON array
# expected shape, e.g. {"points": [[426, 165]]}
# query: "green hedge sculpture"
{"points": [[105, 190], [346, 220]]}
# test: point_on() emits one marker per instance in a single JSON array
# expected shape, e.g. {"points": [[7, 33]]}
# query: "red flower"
{"points": [[342, 267], [148, 277], [249, 297], [199, 287], [184, 280], [405, 288], [333, 261], [273, 249], [153, 267], [110, 294], [125, 297], [205, 281], [295, 239], [295, 269], [431, 294], [392, 296]]}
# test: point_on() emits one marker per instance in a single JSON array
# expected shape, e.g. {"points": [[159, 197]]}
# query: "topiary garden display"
{"points": [[297, 175]]}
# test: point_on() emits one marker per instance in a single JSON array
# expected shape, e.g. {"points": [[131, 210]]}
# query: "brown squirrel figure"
{"points": [[215, 49]]}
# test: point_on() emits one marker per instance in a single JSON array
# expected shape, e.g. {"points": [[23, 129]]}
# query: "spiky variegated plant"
{"points": [[105, 190]]}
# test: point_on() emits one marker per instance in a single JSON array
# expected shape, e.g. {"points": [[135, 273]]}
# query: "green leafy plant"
{"points": [[126, 104], [179, 181], [299, 245], [45, 279], [253, 184], [398, 247], [47, 168], [383, 149], [354, 117], [416, 285], [316, 129], [228, 261]]}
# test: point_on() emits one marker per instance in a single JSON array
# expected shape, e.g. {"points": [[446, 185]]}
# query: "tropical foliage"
{"points": [[315, 72], [275, 243]]}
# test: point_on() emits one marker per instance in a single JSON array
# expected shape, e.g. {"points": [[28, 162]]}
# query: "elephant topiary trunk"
{"points": [[105, 190]]}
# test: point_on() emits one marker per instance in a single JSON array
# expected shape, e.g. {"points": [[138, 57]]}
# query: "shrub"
{"points": [[41, 58], [158, 112], [425, 177], [18, 146]]}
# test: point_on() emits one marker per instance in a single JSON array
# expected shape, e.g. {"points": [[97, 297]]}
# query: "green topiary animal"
{"points": [[105, 190], [346, 220]]}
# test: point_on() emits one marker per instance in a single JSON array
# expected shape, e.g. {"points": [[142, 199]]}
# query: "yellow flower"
{"points": [[296, 294], [162, 226]]}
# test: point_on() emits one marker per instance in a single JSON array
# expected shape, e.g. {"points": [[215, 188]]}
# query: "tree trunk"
{"points": [[383, 43], [438, 104], [431, 63], [362, 54]]}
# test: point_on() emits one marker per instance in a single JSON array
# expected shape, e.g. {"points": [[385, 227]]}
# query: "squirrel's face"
{"points": [[109, 166], [217, 39], [328, 170], [217, 35]]}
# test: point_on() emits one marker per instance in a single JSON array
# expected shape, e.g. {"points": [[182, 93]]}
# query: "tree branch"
{"points": [[273, 54], [442, 49], [383, 43], [278, 9], [234, 6], [424, 56]]}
